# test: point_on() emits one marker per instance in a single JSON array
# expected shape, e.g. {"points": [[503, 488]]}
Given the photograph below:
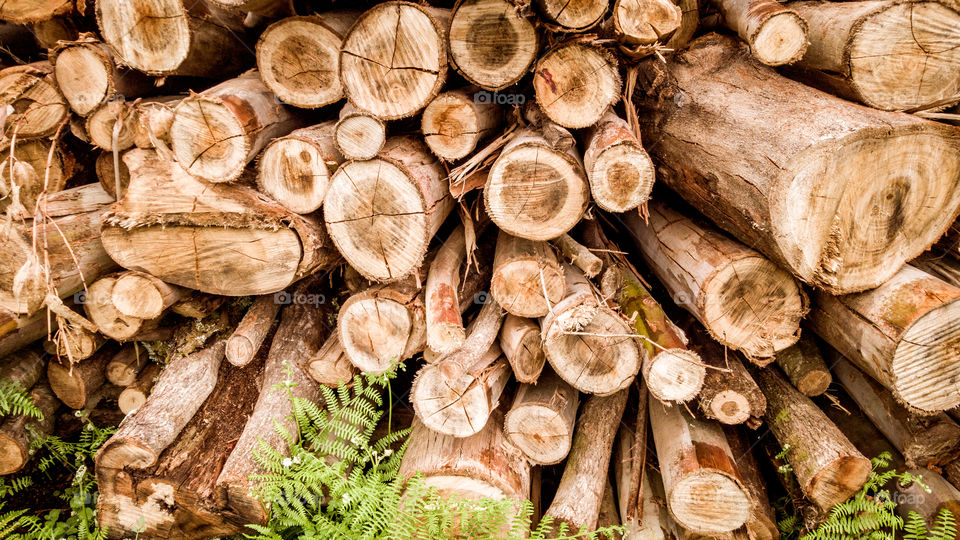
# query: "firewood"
{"points": [[540, 421], [777, 35], [216, 133], [30, 174], [491, 44], [140, 295], [193, 38], [106, 173], [74, 343], [946, 267], [577, 18], [445, 331], [700, 477], [762, 523], [153, 119], [17, 331], [188, 232], [520, 343], [527, 277], [629, 459], [576, 82], [330, 365], [743, 299], [299, 58], [579, 255], [729, 394], [456, 394], [644, 22], [804, 366], [50, 32], [69, 253], [266, 8], [952, 472], [135, 395], [938, 495], [455, 122], [655, 520], [31, 11], [249, 335], [294, 343], [902, 334], [358, 134], [395, 35], [74, 383], [88, 74], [537, 187], [382, 213], [620, 172], [295, 169], [587, 343], [197, 305], [482, 465], [38, 107], [18, 433], [846, 243], [23, 368], [122, 369], [827, 465], [924, 441], [869, 52], [100, 309]]}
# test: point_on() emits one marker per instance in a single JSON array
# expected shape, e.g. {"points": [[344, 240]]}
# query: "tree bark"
{"points": [[804, 366], [455, 122], [777, 35], [762, 523], [901, 334], [445, 331], [295, 170], [939, 495], [790, 188], [33, 11], [197, 305], [193, 38], [540, 421], [382, 213], [703, 487], [246, 340], [75, 383], [18, 331], [359, 135], [629, 462], [23, 368], [135, 395], [575, 83], [527, 277], [368, 62], [38, 107], [17, 433], [215, 238], [744, 300], [829, 468], [215, 134], [491, 44], [869, 52], [587, 343], [265, 8], [645, 22], [620, 172], [299, 58], [578, 497], [520, 343], [579, 255]]}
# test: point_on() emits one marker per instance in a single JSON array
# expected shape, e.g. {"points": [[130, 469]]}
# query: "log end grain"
{"points": [[645, 22], [575, 15], [208, 139], [491, 45], [539, 432], [674, 375], [374, 332], [152, 37], [709, 501], [924, 365], [599, 359], [621, 177], [575, 83], [299, 60], [83, 73], [780, 40], [360, 136], [519, 284], [295, 173]]}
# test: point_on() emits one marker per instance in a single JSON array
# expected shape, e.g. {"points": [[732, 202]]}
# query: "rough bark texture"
{"points": [[445, 331], [729, 393], [540, 421], [629, 461], [246, 340], [491, 44], [17, 433], [796, 189], [579, 255], [804, 366], [762, 523], [74, 383]]}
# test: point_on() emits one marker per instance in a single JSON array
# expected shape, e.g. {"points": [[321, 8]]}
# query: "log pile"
{"points": [[612, 242]]}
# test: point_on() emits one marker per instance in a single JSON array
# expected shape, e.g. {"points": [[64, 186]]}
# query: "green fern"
{"points": [[15, 401]]}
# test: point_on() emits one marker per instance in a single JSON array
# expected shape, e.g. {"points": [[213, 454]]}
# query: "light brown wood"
{"points": [[173, 37], [250, 334], [395, 35], [382, 213], [18, 331], [796, 190], [762, 523], [575, 83], [702, 485], [902, 334], [743, 299], [527, 277], [587, 343], [520, 343], [216, 133], [491, 44], [265, 8], [358, 134], [122, 369], [804, 366], [23, 368], [869, 52], [102, 129], [87, 75], [143, 296], [827, 465], [620, 172], [445, 331], [74, 343], [215, 238], [31, 11], [540, 420], [579, 255], [575, 16], [28, 160], [135, 395], [38, 107], [197, 305], [74, 383], [330, 365], [100, 309], [154, 117], [107, 175], [629, 461], [645, 22], [456, 121], [776, 34], [295, 169], [299, 58], [18, 433], [689, 23]]}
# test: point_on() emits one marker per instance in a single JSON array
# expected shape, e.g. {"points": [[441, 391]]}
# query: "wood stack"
{"points": [[469, 190]]}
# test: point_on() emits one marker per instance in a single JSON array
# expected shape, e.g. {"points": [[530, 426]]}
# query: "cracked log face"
{"points": [[644, 22], [491, 45], [374, 331], [394, 60], [575, 83], [37, 106], [152, 36], [33, 11], [576, 15], [295, 170], [454, 123]]}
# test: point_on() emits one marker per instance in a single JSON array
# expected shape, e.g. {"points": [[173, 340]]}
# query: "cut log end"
{"points": [[518, 286], [13, 455], [374, 332], [539, 432], [452, 125], [576, 15], [782, 39], [137, 43], [599, 359], [621, 177], [295, 174], [675, 375], [298, 58], [644, 22], [208, 139], [575, 83], [491, 45], [709, 502], [838, 480], [360, 136], [925, 361], [730, 407], [83, 75]]}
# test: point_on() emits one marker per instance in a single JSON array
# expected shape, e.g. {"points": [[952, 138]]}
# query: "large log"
{"points": [[88, 74], [382, 213], [216, 133], [19, 433], [804, 366], [902, 334], [776, 34], [22, 368], [540, 420], [575, 83], [527, 277], [870, 51], [174, 37], [393, 60], [215, 238], [794, 189], [295, 170], [34, 11], [38, 109], [827, 465], [491, 44], [703, 489], [743, 299], [620, 172]]}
